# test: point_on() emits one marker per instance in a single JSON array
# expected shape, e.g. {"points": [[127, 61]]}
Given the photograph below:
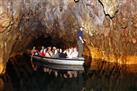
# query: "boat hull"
{"points": [[59, 64], [61, 61]]}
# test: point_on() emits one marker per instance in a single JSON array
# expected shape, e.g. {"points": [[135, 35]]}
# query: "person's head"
{"points": [[75, 49], [57, 49], [49, 48], [42, 47], [60, 50], [54, 48], [81, 28], [34, 47]]}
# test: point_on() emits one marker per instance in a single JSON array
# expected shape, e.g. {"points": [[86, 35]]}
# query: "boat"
{"points": [[59, 63]]}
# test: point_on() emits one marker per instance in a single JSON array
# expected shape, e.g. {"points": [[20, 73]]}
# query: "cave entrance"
{"points": [[50, 41]]}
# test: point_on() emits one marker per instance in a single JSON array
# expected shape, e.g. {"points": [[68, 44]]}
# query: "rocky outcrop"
{"points": [[23, 21], [110, 7], [7, 37]]}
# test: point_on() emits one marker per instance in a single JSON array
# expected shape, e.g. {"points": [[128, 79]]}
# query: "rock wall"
{"points": [[110, 25]]}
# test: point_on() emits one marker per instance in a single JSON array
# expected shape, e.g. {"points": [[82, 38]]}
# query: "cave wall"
{"points": [[110, 25]]}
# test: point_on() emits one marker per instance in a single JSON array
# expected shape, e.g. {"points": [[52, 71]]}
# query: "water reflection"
{"points": [[21, 77], [39, 81]]}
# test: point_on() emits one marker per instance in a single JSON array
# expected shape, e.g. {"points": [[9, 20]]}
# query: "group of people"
{"points": [[55, 52], [59, 53]]}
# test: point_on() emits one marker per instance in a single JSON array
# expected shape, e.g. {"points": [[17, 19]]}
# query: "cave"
{"points": [[50, 41], [109, 29]]}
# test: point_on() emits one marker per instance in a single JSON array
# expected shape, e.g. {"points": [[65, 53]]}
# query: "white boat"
{"points": [[61, 61]]}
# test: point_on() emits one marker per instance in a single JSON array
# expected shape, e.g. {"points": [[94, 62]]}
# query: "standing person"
{"points": [[80, 42]]}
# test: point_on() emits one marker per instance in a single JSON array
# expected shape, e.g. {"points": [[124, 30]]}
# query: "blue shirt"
{"points": [[79, 34]]}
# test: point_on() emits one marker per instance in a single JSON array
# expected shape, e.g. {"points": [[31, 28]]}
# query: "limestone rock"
{"points": [[110, 7]]}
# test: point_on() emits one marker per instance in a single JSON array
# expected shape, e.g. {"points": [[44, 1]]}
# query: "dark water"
{"points": [[21, 77]]}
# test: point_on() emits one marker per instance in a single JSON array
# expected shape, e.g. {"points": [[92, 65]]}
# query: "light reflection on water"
{"points": [[20, 77]]}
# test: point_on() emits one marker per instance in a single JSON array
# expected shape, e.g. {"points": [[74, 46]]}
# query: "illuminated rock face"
{"points": [[23, 21], [110, 7]]}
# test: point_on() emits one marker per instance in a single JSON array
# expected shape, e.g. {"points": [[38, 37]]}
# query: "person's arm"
{"points": [[81, 39]]}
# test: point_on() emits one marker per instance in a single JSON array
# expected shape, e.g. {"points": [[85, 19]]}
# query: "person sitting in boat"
{"points": [[74, 53], [49, 52], [62, 54], [69, 51], [60, 50], [55, 52], [34, 51], [42, 51]]}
